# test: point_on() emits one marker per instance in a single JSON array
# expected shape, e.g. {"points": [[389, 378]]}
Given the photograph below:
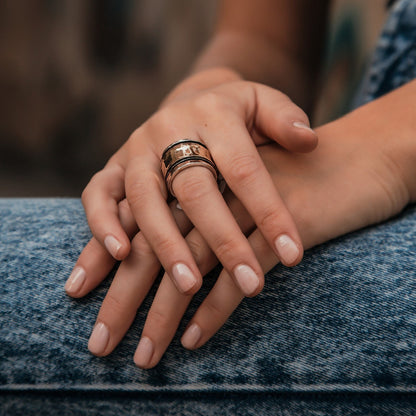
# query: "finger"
{"points": [[169, 305], [168, 308], [223, 299], [146, 194], [198, 194], [279, 119], [248, 178], [161, 324], [130, 285], [95, 262], [100, 199]]}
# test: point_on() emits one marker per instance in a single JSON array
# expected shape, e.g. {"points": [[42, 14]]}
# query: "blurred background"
{"points": [[78, 76]]}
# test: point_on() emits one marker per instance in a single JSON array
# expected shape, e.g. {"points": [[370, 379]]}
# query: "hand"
{"points": [[346, 184], [230, 119], [353, 179]]}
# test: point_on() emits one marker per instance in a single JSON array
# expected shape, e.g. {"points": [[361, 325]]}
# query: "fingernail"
{"points": [[75, 280], [99, 339], [286, 248], [191, 336], [144, 352], [112, 245], [301, 125], [247, 279], [183, 277]]}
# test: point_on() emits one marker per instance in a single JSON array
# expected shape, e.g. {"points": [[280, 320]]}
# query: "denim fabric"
{"points": [[337, 332], [335, 335], [394, 60]]}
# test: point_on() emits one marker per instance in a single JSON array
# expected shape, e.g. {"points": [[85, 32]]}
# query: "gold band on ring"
{"points": [[182, 155]]}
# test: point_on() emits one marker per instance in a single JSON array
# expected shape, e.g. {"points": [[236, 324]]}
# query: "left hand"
{"points": [[357, 176], [230, 119]]}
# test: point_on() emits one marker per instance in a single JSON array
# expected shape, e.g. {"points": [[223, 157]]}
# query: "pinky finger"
{"points": [[100, 199], [95, 262], [224, 298]]}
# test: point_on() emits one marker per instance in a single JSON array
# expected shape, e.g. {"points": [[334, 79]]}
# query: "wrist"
{"points": [[202, 80], [391, 119], [384, 133]]}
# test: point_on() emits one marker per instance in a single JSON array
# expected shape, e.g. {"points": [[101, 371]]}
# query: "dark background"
{"points": [[78, 76]]}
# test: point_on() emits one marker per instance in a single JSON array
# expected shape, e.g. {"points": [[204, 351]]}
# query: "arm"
{"points": [[274, 42], [194, 110], [209, 107], [361, 173]]}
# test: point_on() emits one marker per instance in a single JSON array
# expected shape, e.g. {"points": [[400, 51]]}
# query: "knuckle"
{"points": [[190, 188], [209, 101], [158, 319], [114, 305], [200, 251], [243, 167], [85, 195], [140, 247], [138, 185], [163, 121], [270, 218], [214, 310], [165, 246], [124, 208], [136, 192], [227, 248]]}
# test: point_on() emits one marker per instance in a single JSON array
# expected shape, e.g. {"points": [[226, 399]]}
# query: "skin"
{"points": [[215, 99], [364, 162], [363, 165]]}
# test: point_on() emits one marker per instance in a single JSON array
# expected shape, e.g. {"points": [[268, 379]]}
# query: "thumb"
{"points": [[278, 118]]}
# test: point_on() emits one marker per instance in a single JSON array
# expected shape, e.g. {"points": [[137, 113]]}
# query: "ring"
{"points": [[182, 155]]}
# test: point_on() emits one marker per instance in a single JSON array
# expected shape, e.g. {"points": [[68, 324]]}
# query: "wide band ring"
{"points": [[182, 155]]}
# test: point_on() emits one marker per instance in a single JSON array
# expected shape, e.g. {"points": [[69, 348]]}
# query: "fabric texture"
{"points": [[341, 325], [335, 335], [394, 60]]}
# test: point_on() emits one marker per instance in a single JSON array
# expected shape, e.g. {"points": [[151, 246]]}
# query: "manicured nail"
{"points": [[112, 245], [75, 280], [191, 336], [286, 248], [183, 277], [144, 352], [99, 339], [301, 125], [246, 278]]}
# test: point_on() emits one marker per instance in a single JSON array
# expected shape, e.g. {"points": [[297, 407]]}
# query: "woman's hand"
{"points": [[360, 174], [231, 119]]}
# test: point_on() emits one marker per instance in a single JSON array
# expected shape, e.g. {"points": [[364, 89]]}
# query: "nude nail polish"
{"points": [[247, 279], [183, 277], [286, 248], [112, 245], [301, 125], [99, 339], [144, 352], [75, 280], [191, 336]]}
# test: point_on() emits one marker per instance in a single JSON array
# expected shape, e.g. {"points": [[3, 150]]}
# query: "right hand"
{"points": [[350, 181], [231, 119]]}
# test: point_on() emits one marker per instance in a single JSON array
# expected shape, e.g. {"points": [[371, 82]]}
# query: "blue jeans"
{"points": [[335, 335]]}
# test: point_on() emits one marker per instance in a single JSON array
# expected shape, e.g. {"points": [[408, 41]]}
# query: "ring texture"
{"points": [[182, 155]]}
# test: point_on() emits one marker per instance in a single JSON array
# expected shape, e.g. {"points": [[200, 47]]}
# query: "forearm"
{"points": [[274, 42], [388, 124], [257, 59]]}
